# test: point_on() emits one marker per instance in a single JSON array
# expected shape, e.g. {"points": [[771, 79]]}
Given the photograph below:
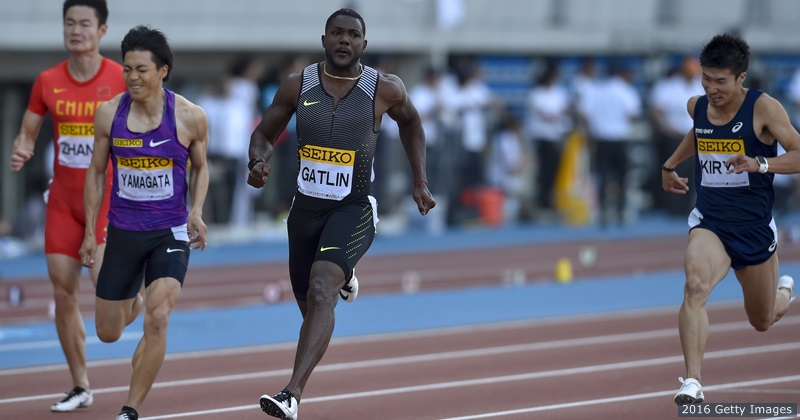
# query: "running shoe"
{"points": [[787, 282], [78, 397], [282, 406], [691, 392], [350, 289], [128, 413]]}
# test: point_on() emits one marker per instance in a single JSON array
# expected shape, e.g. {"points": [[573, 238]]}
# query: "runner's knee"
{"points": [[760, 323], [697, 289], [107, 331], [156, 321], [322, 290]]}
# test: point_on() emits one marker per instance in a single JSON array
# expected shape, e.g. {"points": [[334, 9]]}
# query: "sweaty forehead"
{"points": [[717, 73], [138, 58], [346, 22]]}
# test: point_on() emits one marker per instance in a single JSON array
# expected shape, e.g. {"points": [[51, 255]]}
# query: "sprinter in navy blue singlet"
{"points": [[734, 142], [339, 105]]}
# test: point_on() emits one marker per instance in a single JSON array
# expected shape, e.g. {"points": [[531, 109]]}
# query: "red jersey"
{"points": [[72, 105]]}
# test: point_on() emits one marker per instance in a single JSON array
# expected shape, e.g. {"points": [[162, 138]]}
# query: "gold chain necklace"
{"points": [[324, 70]]}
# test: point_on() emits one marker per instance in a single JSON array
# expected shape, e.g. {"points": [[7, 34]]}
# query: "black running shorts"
{"points": [[130, 255], [340, 235]]}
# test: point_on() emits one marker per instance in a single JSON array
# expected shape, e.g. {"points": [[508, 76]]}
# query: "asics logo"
{"points": [[306, 103], [773, 246], [59, 90], [327, 248], [170, 250], [737, 127], [158, 143]]}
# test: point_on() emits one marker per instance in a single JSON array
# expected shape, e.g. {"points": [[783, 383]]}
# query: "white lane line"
{"points": [[621, 398], [444, 385], [49, 344], [384, 337], [451, 355], [447, 385]]}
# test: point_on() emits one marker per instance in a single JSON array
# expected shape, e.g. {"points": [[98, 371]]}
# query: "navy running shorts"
{"points": [[746, 245]]}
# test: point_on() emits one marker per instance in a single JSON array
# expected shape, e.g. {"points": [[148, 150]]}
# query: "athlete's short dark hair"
{"points": [[99, 6], [726, 51], [347, 12], [145, 38]]}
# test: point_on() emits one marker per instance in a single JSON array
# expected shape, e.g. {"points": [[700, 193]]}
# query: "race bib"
{"points": [[326, 173], [75, 144], [145, 178], [712, 154]]}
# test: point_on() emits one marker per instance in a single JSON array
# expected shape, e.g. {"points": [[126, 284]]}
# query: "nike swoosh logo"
{"points": [[170, 250], [158, 143], [57, 90], [306, 103], [326, 248]]}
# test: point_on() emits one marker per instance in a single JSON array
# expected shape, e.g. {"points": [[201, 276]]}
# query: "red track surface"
{"points": [[618, 366]]}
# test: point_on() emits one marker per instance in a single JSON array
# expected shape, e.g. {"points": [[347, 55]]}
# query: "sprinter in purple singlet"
{"points": [[151, 135]]}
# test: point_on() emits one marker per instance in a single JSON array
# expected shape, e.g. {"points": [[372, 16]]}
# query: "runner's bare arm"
{"points": [[780, 127], [392, 92], [198, 180], [22, 151], [273, 122], [94, 186], [670, 180]]}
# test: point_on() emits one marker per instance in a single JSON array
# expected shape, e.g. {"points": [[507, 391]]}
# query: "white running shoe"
{"points": [[282, 406], [78, 397], [349, 291], [691, 392], [787, 282]]}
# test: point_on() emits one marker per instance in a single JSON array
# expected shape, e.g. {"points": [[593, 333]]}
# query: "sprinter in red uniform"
{"points": [[71, 91]]}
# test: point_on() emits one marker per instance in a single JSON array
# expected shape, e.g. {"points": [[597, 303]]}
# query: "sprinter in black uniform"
{"points": [[734, 143], [339, 104]]}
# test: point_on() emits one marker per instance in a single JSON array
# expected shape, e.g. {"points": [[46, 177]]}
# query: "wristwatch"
{"points": [[763, 165], [253, 162]]}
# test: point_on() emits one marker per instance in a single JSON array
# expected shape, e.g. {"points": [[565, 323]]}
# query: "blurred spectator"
{"points": [[507, 164], [581, 84], [793, 94], [428, 100], [471, 102], [232, 109], [671, 121], [548, 122], [610, 109]]}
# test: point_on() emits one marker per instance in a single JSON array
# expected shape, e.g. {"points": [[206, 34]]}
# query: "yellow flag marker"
{"points": [[563, 271]]}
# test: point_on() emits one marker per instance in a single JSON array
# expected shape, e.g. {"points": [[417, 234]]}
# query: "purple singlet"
{"points": [[149, 188]]}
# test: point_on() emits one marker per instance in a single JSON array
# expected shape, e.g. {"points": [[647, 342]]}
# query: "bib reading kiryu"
{"points": [[712, 154]]}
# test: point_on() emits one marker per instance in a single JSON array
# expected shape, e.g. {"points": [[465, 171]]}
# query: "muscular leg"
{"points": [[706, 265], [149, 354], [65, 275], [136, 304], [318, 322], [763, 304]]}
